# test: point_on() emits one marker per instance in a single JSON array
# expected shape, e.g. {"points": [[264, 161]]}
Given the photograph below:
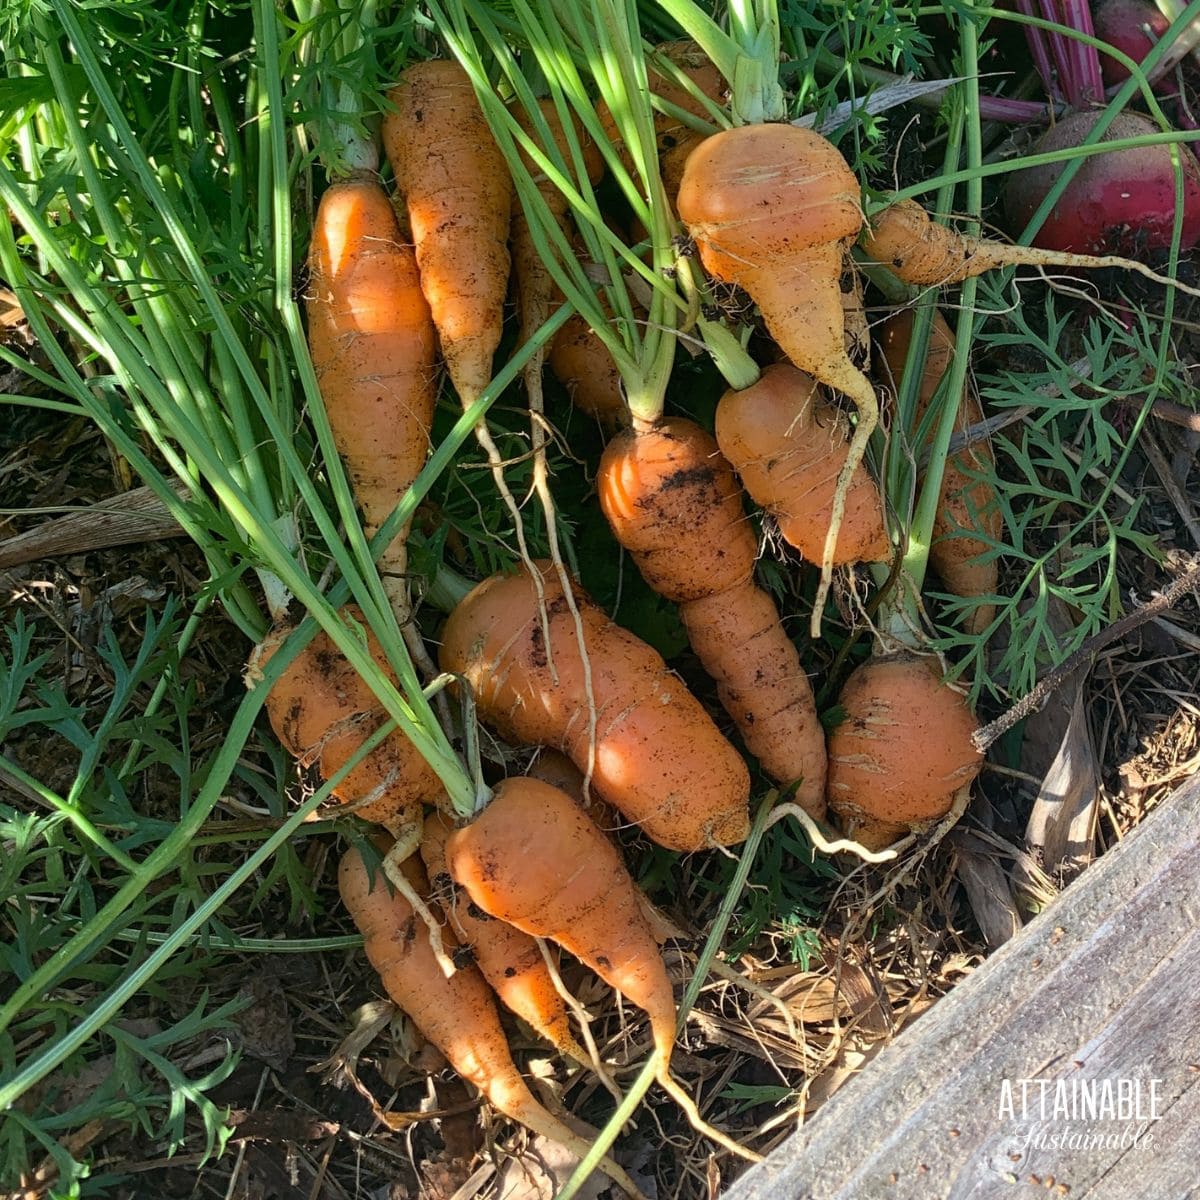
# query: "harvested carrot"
{"points": [[322, 712], [658, 756], [373, 347], [507, 958], [457, 1014], [789, 446], [673, 502], [583, 364], [534, 859], [774, 208], [458, 193], [967, 502], [917, 250], [902, 751]]}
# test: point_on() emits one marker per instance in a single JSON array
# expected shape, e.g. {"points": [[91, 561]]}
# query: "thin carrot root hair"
{"points": [[919, 251], [408, 838], [822, 843], [687, 1105], [587, 1056]]}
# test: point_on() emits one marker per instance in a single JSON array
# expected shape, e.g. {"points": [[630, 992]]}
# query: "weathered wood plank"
{"points": [[1099, 989]]}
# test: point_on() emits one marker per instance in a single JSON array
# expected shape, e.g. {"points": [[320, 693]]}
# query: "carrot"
{"points": [[583, 364], [458, 193], [903, 749], [457, 1014], [789, 445], [967, 502], [322, 712], [658, 756], [773, 208], [508, 959], [533, 859], [673, 502], [917, 250], [373, 347]]}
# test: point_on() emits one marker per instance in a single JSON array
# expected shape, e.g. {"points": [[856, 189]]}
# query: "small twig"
{"points": [[1046, 686]]}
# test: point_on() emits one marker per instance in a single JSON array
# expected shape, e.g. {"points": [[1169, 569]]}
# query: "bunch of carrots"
{"points": [[491, 194]]}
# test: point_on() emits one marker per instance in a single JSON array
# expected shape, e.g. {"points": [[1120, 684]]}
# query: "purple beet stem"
{"points": [[1040, 51], [1085, 59]]}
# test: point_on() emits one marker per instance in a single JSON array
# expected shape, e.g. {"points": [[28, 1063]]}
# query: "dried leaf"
{"points": [[540, 1171], [891, 95], [1062, 825]]}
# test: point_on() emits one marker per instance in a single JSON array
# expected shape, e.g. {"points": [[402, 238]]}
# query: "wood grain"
{"points": [[1101, 986]]}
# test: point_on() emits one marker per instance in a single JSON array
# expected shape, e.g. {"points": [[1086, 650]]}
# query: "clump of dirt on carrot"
{"points": [[658, 756], [457, 1012], [968, 501], [373, 347], [674, 504], [789, 445], [902, 751]]}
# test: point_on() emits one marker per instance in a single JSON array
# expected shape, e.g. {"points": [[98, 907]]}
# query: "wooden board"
{"points": [[1099, 992]]}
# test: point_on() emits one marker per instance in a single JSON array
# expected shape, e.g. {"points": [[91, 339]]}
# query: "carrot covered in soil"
{"points": [[658, 756], [458, 192], [534, 859], [373, 347], [773, 208], [789, 445], [673, 502], [583, 364], [903, 750], [457, 1014], [967, 502], [322, 711]]}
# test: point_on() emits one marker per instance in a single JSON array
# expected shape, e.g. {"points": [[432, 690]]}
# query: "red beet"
{"points": [[1124, 24], [1118, 203]]}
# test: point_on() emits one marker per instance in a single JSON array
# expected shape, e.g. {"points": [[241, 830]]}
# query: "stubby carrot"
{"points": [[458, 192], [790, 445], [968, 499], [322, 712], [903, 749]]}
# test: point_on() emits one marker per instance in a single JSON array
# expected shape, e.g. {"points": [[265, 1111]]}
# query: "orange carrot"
{"points": [[322, 712], [458, 192], [584, 366], [373, 348], [966, 503], [917, 250], [674, 504], [556, 769], [773, 208], [457, 1014], [508, 959], [658, 756], [533, 859], [789, 446], [903, 749]]}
